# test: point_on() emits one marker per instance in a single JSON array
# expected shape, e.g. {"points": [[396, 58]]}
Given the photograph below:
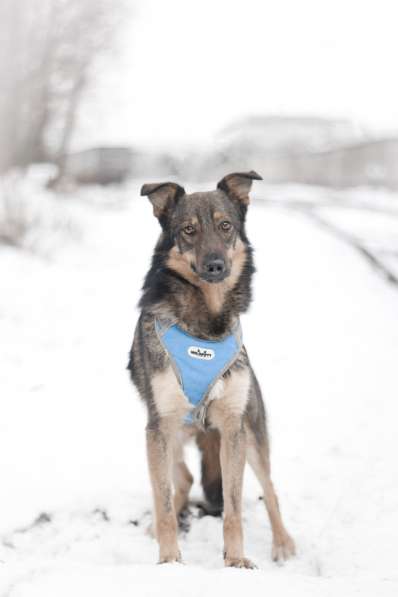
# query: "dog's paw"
{"points": [[239, 563], [170, 558], [283, 548]]}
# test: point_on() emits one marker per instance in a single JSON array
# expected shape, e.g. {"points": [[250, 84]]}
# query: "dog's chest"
{"points": [[198, 364], [230, 394]]}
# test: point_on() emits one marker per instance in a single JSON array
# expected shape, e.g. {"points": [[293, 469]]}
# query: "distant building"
{"points": [[283, 150], [301, 150], [287, 134], [373, 163], [108, 165], [99, 165]]}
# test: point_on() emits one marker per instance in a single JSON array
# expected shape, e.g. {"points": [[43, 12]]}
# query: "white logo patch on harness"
{"points": [[204, 354]]}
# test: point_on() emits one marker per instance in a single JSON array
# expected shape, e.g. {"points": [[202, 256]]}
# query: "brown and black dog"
{"points": [[200, 277]]}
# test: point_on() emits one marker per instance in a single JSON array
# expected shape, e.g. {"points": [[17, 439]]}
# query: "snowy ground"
{"points": [[323, 338], [367, 219]]}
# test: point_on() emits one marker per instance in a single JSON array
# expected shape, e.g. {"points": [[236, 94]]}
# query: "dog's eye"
{"points": [[189, 229], [225, 226]]}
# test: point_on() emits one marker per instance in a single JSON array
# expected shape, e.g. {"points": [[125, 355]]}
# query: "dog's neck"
{"points": [[202, 309]]}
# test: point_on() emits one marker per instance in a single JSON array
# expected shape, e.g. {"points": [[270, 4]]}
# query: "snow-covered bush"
{"points": [[31, 217]]}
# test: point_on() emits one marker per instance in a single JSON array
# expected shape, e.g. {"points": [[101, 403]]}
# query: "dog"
{"points": [[190, 367]]}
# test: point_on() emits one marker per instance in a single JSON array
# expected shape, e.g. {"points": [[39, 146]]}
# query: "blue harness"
{"points": [[197, 363]]}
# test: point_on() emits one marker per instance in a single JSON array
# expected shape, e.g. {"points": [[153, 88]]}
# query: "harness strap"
{"points": [[197, 363]]}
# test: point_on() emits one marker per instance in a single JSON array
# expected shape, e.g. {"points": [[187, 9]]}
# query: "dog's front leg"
{"points": [[160, 446], [233, 457], [226, 414], [162, 435]]}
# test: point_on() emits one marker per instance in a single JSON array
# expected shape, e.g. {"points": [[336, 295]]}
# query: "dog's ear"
{"points": [[162, 195], [238, 185]]}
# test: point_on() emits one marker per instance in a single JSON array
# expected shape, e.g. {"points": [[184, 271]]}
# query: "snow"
{"points": [[366, 218], [322, 335]]}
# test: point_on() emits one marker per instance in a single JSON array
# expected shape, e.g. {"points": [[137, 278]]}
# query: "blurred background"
{"points": [[98, 97], [105, 92]]}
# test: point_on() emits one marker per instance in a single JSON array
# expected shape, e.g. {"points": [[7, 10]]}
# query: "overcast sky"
{"points": [[185, 68]]}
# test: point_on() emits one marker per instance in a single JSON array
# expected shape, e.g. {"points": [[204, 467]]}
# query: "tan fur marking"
{"points": [[215, 294], [181, 263], [183, 479], [209, 445], [233, 400], [217, 390], [219, 216], [168, 396]]}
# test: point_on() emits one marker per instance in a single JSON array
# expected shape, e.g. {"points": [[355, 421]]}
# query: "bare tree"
{"points": [[47, 51]]}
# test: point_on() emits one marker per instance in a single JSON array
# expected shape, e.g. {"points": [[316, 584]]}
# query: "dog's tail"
{"points": [[209, 446]]}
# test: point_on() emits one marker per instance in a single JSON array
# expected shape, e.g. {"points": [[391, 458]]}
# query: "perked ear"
{"points": [[238, 185], [162, 195]]}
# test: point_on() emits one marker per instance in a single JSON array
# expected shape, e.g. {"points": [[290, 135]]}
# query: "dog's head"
{"points": [[206, 229]]}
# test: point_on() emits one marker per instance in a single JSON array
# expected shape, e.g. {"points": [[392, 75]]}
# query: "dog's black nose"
{"points": [[214, 268]]}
